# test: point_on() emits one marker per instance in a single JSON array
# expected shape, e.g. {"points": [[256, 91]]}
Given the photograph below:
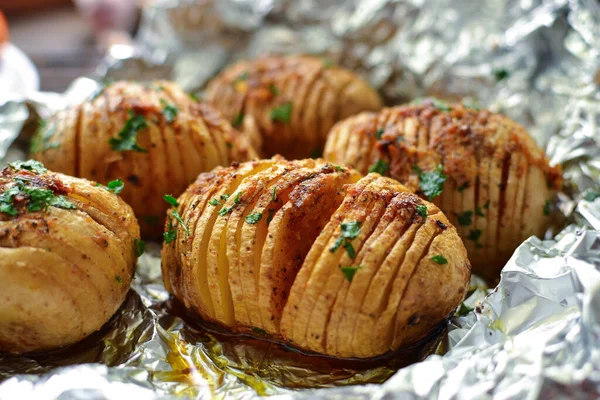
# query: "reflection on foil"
{"points": [[536, 335]]}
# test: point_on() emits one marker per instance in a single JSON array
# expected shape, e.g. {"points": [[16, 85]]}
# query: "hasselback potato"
{"points": [[68, 248], [311, 253], [288, 104], [153, 136], [483, 170]]}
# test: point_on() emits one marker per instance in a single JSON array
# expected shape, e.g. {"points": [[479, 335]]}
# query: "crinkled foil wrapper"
{"points": [[536, 335]]}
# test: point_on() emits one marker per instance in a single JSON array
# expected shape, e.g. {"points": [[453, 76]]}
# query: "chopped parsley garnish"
{"points": [[29, 165], [337, 244], [349, 231], [463, 186], [171, 200], [440, 105], [44, 133], [547, 207], [338, 167], [118, 279], [378, 134], [463, 310], [466, 218], [238, 119], [472, 106], [194, 97], [431, 183], [487, 205], [37, 198], [259, 331], [350, 271], [274, 193], [115, 186], [171, 233], [253, 218], [591, 195], [479, 212], [140, 247], [273, 89], [214, 202], [380, 167], [270, 216], [440, 259], [422, 210], [474, 234], [350, 249], [226, 210], [176, 215], [169, 111], [501, 74], [229, 145], [282, 113], [128, 135], [224, 196], [241, 77]]}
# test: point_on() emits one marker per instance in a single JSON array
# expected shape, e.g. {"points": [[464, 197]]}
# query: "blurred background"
{"points": [[63, 38]]}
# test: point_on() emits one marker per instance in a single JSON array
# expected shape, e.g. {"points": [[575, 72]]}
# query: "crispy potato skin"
{"points": [[286, 274], [64, 272], [319, 95], [180, 139], [498, 180]]}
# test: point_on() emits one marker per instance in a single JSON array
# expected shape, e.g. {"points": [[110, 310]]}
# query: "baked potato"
{"points": [[153, 136], [68, 248], [483, 170], [310, 253], [288, 104]]}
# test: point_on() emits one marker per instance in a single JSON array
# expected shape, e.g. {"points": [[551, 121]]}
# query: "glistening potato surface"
{"points": [[288, 104], [311, 253], [482, 169], [153, 136], [67, 253]]}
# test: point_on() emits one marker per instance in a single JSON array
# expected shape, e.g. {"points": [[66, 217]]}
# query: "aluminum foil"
{"points": [[536, 335]]}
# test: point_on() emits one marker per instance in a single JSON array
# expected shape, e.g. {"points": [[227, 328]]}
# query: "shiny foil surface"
{"points": [[536, 335]]}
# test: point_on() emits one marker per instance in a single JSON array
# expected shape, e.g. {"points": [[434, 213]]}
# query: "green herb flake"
{"points": [[338, 167], [41, 140], [350, 249], [474, 234], [378, 134], [224, 196], [273, 89], [61, 202], [500, 74], [328, 62], [140, 247], [171, 200], [466, 218], [259, 331], [274, 193], [176, 215], [441, 105], [282, 113], [479, 212], [422, 210], [472, 106], [440, 259], [118, 279], [127, 137], [241, 77], [431, 183], [169, 111], [171, 233], [238, 119], [463, 310], [253, 219], [591, 195], [350, 230], [115, 186], [547, 207], [214, 202], [315, 153], [381, 167], [350, 271], [194, 97], [29, 165], [464, 186], [337, 244], [487, 205]]}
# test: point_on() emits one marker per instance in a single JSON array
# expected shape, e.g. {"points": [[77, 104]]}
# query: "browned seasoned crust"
{"points": [[64, 269], [495, 171], [307, 252], [180, 139], [316, 94]]}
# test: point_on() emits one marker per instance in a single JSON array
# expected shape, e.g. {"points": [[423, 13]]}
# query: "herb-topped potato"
{"points": [[309, 253], [482, 169], [288, 104], [153, 136], [68, 248]]}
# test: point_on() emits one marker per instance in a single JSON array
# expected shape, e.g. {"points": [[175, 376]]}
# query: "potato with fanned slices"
{"points": [[153, 136], [287, 104], [482, 169], [68, 248], [310, 253]]}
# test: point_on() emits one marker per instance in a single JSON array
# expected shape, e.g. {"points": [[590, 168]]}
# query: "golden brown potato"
{"points": [[288, 104], [309, 253], [153, 136], [482, 169], [68, 248]]}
